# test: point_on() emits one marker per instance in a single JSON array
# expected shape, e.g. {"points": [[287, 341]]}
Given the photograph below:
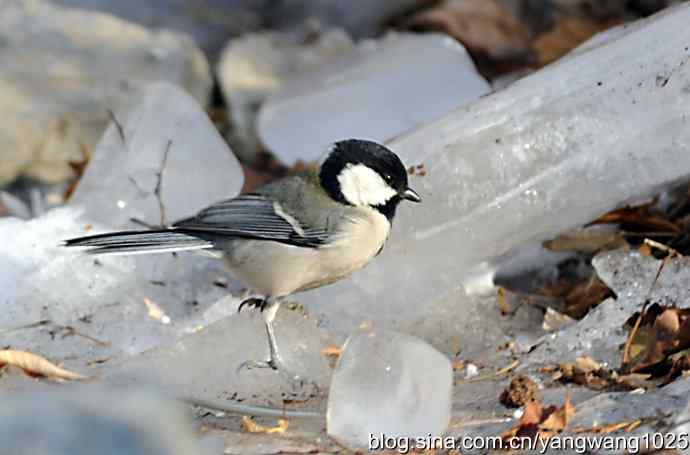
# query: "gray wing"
{"points": [[253, 216]]}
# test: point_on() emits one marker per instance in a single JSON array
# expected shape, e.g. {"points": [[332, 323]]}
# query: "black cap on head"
{"points": [[345, 156]]}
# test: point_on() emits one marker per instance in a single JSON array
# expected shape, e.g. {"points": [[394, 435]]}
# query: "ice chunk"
{"points": [[377, 92], [112, 306], [254, 66], [167, 136], [550, 152], [391, 384], [65, 305], [93, 420], [61, 70], [204, 365]]}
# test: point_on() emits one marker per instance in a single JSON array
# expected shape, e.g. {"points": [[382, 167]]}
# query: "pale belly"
{"points": [[277, 269]]}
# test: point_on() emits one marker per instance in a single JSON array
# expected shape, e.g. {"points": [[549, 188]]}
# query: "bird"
{"points": [[294, 234]]}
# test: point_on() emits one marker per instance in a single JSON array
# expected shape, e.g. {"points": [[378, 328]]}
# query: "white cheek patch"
{"points": [[361, 185]]}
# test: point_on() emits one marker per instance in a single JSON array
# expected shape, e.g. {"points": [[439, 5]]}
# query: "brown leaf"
{"points": [[634, 381], [587, 364], [585, 371], [553, 320], [78, 167], [587, 241], [670, 333], [332, 351], [540, 421], [527, 425], [639, 218], [586, 295], [568, 33], [606, 429], [485, 27], [36, 365], [679, 367], [558, 420], [250, 426]]}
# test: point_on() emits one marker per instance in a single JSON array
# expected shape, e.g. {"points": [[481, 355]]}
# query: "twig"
{"points": [[246, 409], [159, 185], [638, 321], [143, 223], [71, 331], [142, 192], [26, 326], [118, 125]]}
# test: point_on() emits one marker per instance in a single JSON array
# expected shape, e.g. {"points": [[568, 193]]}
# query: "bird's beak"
{"points": [[411, 195]]}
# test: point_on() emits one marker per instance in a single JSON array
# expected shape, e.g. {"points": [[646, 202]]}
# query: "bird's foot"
{"points": [[253, 302], [297, 382]]}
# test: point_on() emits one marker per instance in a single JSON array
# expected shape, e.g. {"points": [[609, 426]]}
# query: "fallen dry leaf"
{"points": [[634, 381], [679, 367], [586, 241], [568, 33], [586, 295], [250, 426], [558, 420], [669, 334], [584, 371], [332, 351], [611, 428], [542, 422], [458, 365], [639, 219], [418, 170], [485, 27], [78, 168], [553, 320], [156, 312], [36, 365]]}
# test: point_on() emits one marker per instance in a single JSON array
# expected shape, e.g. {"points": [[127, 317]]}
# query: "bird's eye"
{"points": [[387, 178]]}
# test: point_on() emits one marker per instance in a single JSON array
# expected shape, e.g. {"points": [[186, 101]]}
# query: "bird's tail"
{"points": [[140, 242]]}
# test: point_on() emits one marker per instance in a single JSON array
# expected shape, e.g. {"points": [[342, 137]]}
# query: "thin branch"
{"points": [[26, 326], [143, 223], [159, 185], [142, 192], [71, 331], [118, 125]]}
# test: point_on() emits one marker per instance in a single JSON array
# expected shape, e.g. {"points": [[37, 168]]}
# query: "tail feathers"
{"points": [[139, 242]]}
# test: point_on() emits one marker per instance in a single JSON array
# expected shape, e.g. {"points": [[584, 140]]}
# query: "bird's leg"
{"points": [[269, 308]]}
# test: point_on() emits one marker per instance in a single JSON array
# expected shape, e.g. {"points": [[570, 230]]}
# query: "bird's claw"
{"points": [[295, 381], [251, 364], [254, 302]]}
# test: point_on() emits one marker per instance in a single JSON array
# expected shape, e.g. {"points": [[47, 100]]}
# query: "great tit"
{"points": [[294, 234]]}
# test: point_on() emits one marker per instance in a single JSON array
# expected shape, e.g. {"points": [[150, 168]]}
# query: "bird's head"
{"points": [[364, 173]]}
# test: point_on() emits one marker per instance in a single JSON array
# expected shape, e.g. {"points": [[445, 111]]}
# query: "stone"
{"points": [[62, 70]]}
